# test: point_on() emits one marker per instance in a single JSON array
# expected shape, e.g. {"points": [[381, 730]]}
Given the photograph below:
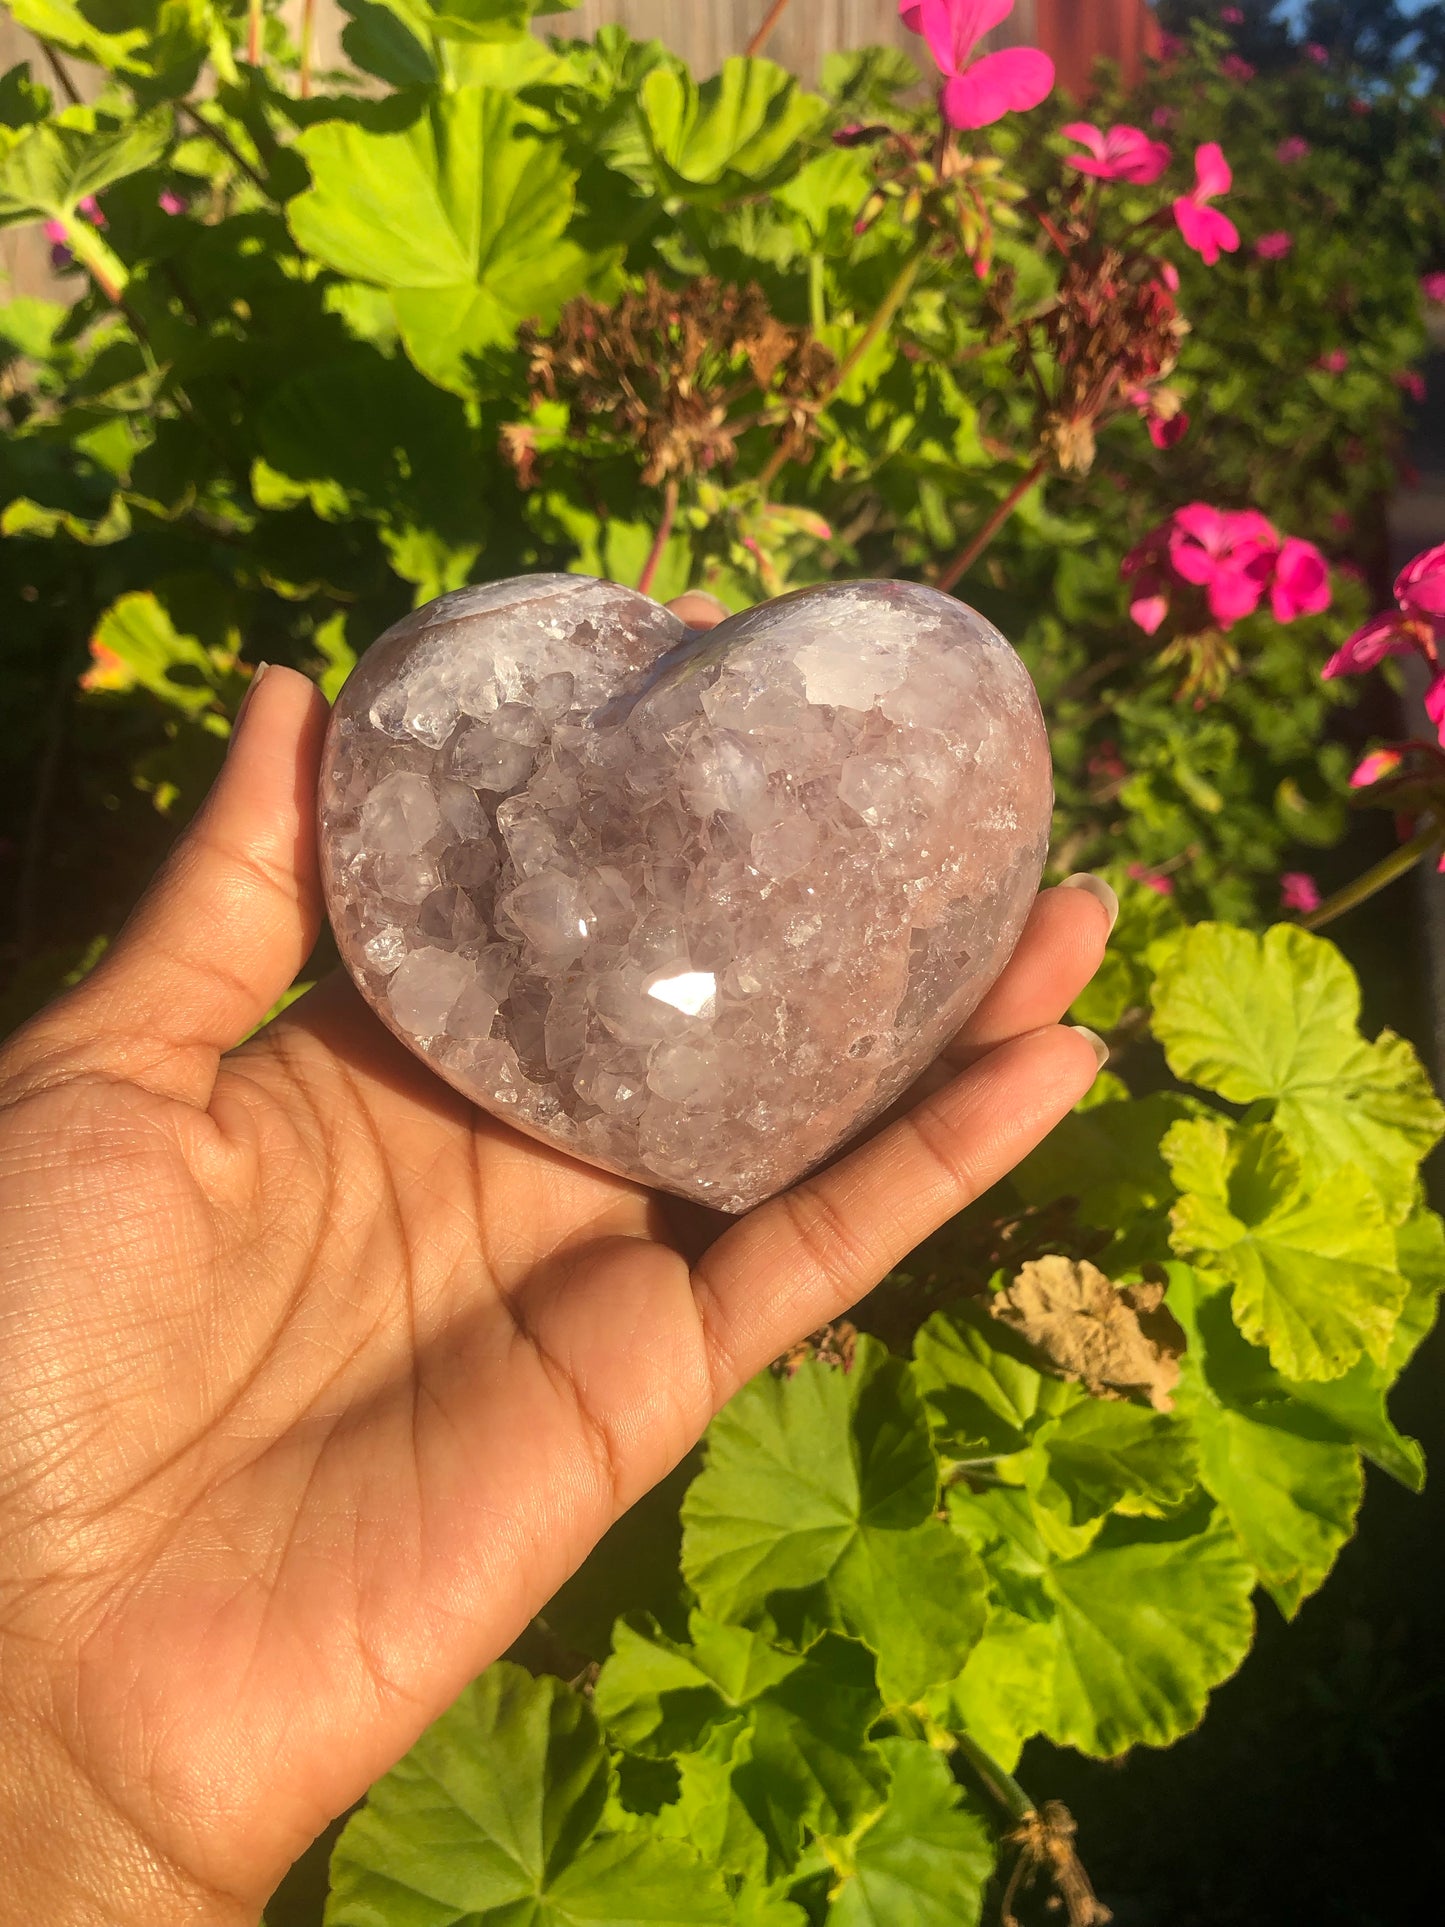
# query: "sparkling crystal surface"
{"points": [[693, 908]]}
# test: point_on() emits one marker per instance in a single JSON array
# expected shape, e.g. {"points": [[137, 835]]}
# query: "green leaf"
{"points": [[1103, 1450], [926, 1858], [52, 167], [137, 646], [1004, 1691], [160, 47], [1277, 1018], [463, 216], [1147, 1624], [829, 1478], [23, 101], [492, 1817], [982, 1393], [738, 133], [1108, 1157], [1312, 1266]]}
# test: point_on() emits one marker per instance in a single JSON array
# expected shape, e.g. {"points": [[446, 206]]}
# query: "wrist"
{"points": [[73, 1858]]}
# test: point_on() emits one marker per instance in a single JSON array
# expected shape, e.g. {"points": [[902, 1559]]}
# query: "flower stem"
{"points": [[1396, 864], [308, 14], [213, 133], [62, 74], [255, 34], [965, 559], [660, 540], [1003, 1786], [888, 308], [765, 32]]}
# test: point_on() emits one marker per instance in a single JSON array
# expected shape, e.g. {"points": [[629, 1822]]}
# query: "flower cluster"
{"points": [[976, 93], [1415, 626], [1236, 557]]}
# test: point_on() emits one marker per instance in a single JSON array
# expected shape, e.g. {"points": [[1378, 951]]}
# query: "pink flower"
{"points": [[1383, 635], [1432, 286], [169, 203], [1341, 521], [1123, 154], [1206, 230], [1379, 764], [1301, 584], [1229, 555], [1162, 886], [1274, 246], [1298, 891], [1165, 431], [1163, 117], [56, 233], [1318, 54], [1169, 275], [977, 93], [91, 209], [1233, 68], [1296, 148], [1358, 106], [1420, 585], [1232, 16], [1335, 362], [1411, 381]]}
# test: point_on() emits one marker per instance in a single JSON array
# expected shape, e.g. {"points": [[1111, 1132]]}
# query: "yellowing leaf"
{"points": [[1312, 1266]]}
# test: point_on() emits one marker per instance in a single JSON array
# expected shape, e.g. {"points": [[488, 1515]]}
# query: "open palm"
{"points": [[315, 1383]]}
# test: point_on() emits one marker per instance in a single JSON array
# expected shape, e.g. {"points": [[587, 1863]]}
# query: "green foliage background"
{"points": [[793, 1684]]}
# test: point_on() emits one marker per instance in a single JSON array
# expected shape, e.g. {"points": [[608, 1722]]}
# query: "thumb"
{"points": [[221, 932]]}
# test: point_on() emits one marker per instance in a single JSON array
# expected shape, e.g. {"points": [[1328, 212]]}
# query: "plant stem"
{"points": [[765, 32], [308, 12], [213, 133], [965, 559], [660, 540], [1396, 864], [255, 34], [1003, 1786], [891, 303], [58, 68]]}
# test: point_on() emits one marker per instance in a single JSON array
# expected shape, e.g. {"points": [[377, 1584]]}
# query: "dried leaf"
{"points": [[1115, 1341]]}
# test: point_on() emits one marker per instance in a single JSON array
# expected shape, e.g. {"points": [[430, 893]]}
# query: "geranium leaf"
{"points": [[1312, 1266], [1147, 1622], [1107, 1157], [1105, 1450], [737, 133], [982, 1393], [1277, 1018], [924, 1860], [493, 1816], [1006, 1688], [462, 215], [51, 168], [830, 1477]]}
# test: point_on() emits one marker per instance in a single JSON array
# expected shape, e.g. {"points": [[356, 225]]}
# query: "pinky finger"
{"points": [[805, 1257]]}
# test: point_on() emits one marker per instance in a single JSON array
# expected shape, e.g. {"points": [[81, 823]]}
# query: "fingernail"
{"points": [[705, 595], [1094, 1041], [1096, 888], [251, 688]]}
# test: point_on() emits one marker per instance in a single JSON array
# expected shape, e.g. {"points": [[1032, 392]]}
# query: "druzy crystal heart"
{"points": [[692, 908]]}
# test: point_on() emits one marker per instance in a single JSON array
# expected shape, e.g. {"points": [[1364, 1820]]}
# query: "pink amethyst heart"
{"points": [[693, 908]]}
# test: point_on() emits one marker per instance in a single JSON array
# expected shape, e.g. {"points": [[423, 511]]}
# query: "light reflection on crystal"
{"points": [[693, 910]]}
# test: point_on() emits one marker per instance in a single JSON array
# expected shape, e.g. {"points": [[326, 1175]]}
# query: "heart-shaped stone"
{"points": [[692, 908]]}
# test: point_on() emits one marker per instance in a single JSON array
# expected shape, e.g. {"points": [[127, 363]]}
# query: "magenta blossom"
{"points": [[1163, 117], [1416, 626], [1296, 148], [1161, 885], [1232, 16], [1411, 381], [1335, 362], [1299, 891], [976, 93], [1234, 68], [1375, 767], [90, 208], [170, 203], [1301, 582], [1123, 154], [56, 233], [1318, 54], [1274, 246], [1205, 229], [1228, 554], [1432, 286]]}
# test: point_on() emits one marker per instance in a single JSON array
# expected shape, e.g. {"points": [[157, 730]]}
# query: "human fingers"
{"points": [[1056, 957], [222, 930], [804, 1257], [698, 609]]}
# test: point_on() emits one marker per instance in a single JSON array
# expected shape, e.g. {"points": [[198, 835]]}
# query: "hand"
{"points": [[316, 1383]]}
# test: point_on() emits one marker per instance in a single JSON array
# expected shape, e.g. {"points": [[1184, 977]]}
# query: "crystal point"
{"points": [[694, 909]]}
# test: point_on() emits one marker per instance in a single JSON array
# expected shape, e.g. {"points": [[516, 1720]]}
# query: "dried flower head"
{"points": [[679, 373]]}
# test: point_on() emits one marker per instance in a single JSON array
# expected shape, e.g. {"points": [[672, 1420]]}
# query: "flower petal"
{"points": [[1380, 637], [999, 84], [1149, 611], [1420, 585], [1212, 172]]}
